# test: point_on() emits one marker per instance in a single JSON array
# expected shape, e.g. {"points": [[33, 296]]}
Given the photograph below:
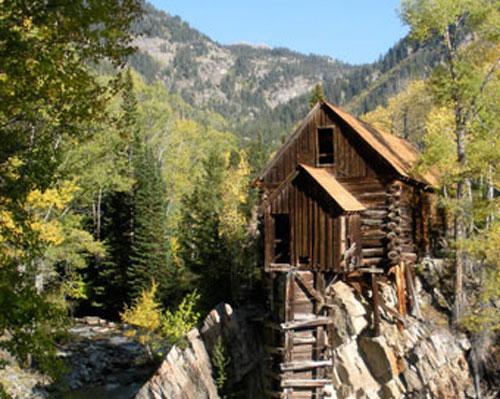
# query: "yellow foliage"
{"points": [[405, 113], [234, 195], [58, 198], [380, 118], [42, 207], [439, 142], [145, 312], [49, 232]]}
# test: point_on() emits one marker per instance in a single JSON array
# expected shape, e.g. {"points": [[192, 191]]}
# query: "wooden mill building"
{"points": [[339, 200]]}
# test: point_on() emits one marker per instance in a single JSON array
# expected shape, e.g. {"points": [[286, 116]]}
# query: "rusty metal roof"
{"points": [[345, 200], [399, 153]]}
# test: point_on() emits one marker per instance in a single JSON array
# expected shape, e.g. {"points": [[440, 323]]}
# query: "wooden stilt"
{"points": [[376, 305]]}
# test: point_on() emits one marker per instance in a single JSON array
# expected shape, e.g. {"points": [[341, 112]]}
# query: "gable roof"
{"points": [[397, 152], [344, 199]]}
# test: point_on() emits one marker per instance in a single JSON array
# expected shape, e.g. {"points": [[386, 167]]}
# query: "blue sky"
{"points": [[355, 31]]}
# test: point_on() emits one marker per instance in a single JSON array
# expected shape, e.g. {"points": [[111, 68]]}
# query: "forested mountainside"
{"points": [[261, 89], [237, 80]]}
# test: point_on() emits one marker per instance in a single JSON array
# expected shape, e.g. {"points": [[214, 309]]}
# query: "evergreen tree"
{"points": [[107, 278], [149, 252], [317, 95], [204, 250]]}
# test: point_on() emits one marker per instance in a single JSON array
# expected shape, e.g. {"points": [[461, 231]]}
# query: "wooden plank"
{"points": [[305, 383], [304, 340], [321, 237], [305, 365], [309, 289], [320, 320], [316, 236], [268, 237], [330, 243], [337, 244]]}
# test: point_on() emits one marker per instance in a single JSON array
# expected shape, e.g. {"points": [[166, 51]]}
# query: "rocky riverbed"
{"points": [[103, 363]]}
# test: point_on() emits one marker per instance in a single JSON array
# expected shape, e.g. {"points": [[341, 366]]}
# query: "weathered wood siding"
{"points": [[349, 152], [319, 233]]}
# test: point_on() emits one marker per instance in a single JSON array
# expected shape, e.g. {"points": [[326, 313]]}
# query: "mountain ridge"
{"points": [[257, 87]]}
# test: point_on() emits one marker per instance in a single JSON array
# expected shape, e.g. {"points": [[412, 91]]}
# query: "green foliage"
{"points": [[213, 239], [317, 95], [175, 325], [149, 252], [220, 361], [51, 102], [462, 138], [154, 328]]}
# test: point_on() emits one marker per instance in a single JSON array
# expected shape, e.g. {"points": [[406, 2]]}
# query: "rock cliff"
{"points": [[412, 358]]}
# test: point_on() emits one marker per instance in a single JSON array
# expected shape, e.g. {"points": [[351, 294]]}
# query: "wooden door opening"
{"points": [[281, 244]]}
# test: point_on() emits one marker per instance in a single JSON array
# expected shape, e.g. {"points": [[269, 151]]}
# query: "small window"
{"points": [[325, 146], [281, 245]]}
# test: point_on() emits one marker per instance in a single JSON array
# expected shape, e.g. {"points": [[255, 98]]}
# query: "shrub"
{"points": [[175, 325]]}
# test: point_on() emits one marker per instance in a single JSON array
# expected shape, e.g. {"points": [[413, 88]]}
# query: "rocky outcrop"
{"points": [[419, 360], [186, 373], [242, 346], [21, 383]]}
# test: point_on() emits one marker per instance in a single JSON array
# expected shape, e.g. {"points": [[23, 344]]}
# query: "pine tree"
{"points": [[107, 278], [317, 95], [150, 249], [204, 250]]}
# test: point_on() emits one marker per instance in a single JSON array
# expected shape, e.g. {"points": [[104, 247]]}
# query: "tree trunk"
{"points": [[98, 215], [460, 216]]}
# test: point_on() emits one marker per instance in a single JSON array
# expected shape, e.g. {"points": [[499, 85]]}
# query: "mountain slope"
{"points": [[261, 89], [239, 81]]}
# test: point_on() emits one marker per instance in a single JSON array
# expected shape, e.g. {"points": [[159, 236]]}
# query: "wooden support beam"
{"points": [[412, 294], [376, 304], [371, 261], [318, 321], [304, 340], [305, 365], [308, 288], [370, 252], [306, 383]]}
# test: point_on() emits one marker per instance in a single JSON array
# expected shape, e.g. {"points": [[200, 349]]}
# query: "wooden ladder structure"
{"points": [[297, 336]]}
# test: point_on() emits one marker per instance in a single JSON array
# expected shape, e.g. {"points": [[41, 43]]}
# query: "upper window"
{"points": [[325, 146]]}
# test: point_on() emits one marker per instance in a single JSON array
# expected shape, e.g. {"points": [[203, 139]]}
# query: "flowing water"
{"points": [[103, 392]]}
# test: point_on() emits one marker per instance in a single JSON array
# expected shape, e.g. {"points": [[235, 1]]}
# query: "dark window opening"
{"points": [[281, 238], [325, 146]]}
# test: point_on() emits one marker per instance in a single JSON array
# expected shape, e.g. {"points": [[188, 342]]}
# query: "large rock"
{"points": [[351, 376], [188, 373], [379, 358], [422, 359], [347, 312], [242, 346], [184, 374]]}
